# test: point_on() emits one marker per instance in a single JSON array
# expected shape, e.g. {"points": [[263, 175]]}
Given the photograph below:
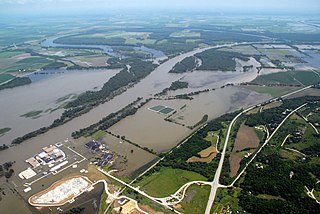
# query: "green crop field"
{"points": [[274, 91], [99, 134], [306, 77], [196, 199], [5, 77], [167, 181]]}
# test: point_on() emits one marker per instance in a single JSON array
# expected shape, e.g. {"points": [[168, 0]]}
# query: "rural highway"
{"points": [[215, 182], [265, 143]]}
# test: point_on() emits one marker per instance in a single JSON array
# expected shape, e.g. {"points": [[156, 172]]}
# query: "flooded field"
{"points": [[46, 98], [135, 156], [152, 84], [148, 128], [136, 128]]}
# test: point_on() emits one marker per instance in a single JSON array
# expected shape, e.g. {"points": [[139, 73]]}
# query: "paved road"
{"points": [[265, 143], [215, 182]]}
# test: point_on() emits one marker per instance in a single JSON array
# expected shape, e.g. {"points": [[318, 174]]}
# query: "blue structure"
{"points": [[93, 145], [105, 159]]}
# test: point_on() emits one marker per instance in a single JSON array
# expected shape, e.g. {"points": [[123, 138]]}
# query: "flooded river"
{"points": [[44, 96], [154, 83], [45, 93]]}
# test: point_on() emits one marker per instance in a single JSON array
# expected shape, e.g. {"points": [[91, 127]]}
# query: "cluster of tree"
{"points": [[274, 179], [217, 124], [272, 117], [315, 148], [88, 40], [5, 170], [18, 81], [179, 156], [247, 68], [54, 65], [178, 85], [76, 210], [187, 64], [173, 46], [65, 117], [3, 147], [114, 63], [109, 120], [202, 121], [173, 87], [213, 34], [138, 70], [219, 60], [86, 101], [189, 95]]}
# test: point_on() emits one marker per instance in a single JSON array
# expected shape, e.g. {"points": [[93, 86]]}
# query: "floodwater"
{"points": [[105, 48], [42, 96], [135, 159], [42, 93], [149, 129], [152, 84]]}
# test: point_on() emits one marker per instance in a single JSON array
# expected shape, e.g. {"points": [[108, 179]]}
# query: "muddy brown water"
{"points": [[214, 103], [42, 96]]}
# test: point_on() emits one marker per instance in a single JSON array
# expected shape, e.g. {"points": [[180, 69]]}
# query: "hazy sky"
{"points": [[91, 6]]}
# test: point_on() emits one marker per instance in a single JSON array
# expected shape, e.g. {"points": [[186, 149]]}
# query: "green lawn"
{"points": [[269, 197], [308, 139], [4, 130], [103, 203], [273, 91], [8, 54], [212, 137], [167, 181], [288, 78], [5, 77], [276, 78], [99, 134], [306, 77], [196, 199], [287, 154]]}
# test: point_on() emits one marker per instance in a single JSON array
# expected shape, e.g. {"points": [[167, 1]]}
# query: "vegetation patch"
{"points": [[206, 159], [246, 138], [235, 159], [18, 81], [196, 199], [32, 114], [5, 77], [3, 131], [99, 134], [214, 60], [187, 64], [289, 78], [274, 91], [167, 181]]}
